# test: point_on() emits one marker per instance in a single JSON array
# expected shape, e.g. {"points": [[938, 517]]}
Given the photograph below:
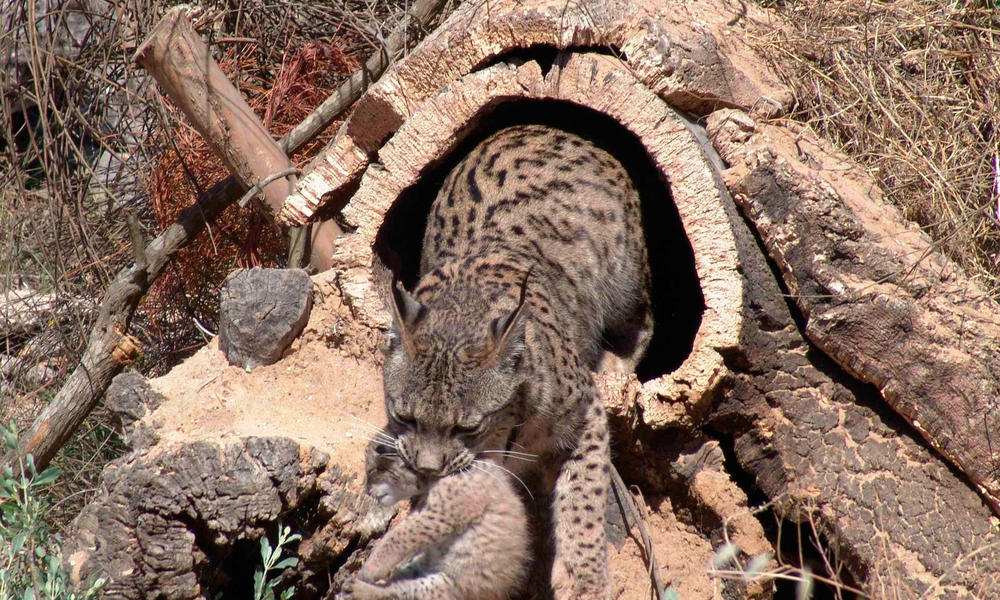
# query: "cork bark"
{"points": [[842, 369], [876, 295]]}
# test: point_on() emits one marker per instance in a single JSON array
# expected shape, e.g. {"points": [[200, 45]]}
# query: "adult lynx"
{"points": [[533, 262]]}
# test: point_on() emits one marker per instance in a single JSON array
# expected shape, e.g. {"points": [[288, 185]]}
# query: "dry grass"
{"points": [[182, 304], [911, 89], [83, 142]]}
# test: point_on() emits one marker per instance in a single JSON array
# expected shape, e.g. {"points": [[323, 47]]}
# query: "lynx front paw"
{"points": [[362, 590]]}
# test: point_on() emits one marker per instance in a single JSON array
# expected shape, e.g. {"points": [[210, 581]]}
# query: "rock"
{"points": [[262, 311], [129, 398]]}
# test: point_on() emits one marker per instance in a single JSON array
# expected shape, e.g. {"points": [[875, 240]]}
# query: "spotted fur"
{"points": [[533, 262], [465, 539]]}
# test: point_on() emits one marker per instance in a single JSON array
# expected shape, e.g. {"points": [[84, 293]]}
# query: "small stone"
{"points": [[262, 311], [129, 398]]}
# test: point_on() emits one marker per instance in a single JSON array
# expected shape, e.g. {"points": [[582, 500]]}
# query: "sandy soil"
{"points": [[327, 394]]}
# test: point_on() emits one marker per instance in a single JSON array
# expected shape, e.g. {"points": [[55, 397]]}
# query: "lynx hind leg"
{"points": [[578, 511], [434, 586], [628, 339]]}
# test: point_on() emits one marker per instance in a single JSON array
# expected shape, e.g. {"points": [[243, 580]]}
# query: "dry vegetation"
{"points": [[908, 88], [911, 89], [85, 141]]}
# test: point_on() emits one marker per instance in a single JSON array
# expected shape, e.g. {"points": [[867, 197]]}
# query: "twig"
{"points": [[137, 244], [88, 381], [258, 187], [205, 331], [996, 185], [631, 512]]}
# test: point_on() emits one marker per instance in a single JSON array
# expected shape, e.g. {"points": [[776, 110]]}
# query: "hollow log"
{"points": [[876, 295], [764, 383]]}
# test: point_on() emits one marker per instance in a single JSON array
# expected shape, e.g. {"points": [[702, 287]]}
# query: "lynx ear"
{"points": [[508, 332], [406, 313]]}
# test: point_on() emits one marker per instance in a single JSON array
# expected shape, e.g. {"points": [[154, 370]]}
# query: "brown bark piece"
{"points": [[825, 448], [687, 53], [179, 60], [877, 296]]}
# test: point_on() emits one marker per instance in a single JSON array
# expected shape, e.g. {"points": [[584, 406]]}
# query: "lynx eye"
{"points": [[401, 420], [467, 431]]}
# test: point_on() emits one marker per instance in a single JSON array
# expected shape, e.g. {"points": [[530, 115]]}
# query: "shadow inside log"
{"points": [[678, 303]]}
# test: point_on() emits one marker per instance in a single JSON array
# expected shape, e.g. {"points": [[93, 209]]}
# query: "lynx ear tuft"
{"points": [[508, 332], [406, 314]]}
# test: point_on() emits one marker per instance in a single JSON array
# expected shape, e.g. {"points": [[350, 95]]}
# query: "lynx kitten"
{"points": [[533, 262], [466, 538]]}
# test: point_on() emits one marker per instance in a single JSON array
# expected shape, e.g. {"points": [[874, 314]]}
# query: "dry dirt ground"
{"points": [[325, 394]]}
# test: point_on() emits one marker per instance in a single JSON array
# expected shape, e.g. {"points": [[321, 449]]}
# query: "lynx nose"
{"points": [[429, 461]]}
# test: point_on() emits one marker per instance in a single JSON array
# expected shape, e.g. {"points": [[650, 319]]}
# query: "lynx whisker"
{"points": [[515, 455], [509, 472], [488, 473], [381, 437], [379, 433]]}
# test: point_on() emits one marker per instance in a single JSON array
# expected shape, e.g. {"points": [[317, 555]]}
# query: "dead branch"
{"points": [[91, 377], [180, 61]]}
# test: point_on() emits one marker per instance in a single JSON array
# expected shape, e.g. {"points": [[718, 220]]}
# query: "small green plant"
{"points": [[264, 585], [726, 565], [30, 553]]}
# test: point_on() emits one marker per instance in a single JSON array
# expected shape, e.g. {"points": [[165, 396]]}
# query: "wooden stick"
{"points": [[91, 377], [180, 61], [631, 513]]}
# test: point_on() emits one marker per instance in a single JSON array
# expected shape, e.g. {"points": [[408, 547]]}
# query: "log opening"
{"points": [[678, 301]]}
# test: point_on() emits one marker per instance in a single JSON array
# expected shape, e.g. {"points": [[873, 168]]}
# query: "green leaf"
{"points": [[9, 511], [9, 436], [287, 594], [293, 538], [258, 584], [98, 584], [47, 476], [18, 542], [804, 588], [671, 594], [265, 548], [31, 465], [8, 473], [757, 565], [288, 563]]}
